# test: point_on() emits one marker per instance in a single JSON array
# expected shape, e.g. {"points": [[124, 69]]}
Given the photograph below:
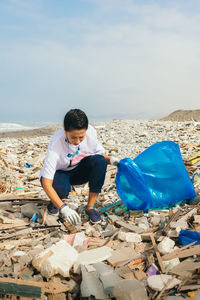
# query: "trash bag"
{"points": [[187, 237], [155, 178]]}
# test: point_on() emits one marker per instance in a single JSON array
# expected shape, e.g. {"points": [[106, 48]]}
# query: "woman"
{"points": [[74, 157]]}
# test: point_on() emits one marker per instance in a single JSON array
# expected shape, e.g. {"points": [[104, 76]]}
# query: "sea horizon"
{"points": [[26, 125], [7, 126]]}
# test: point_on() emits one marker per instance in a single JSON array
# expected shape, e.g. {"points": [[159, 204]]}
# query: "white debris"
{"points": [[166, 245], [19, 253], [57, 259], [180, 224], [130, 237], [158, 282], [155, 221], [169, 264], [92, 256], [88, 229]]}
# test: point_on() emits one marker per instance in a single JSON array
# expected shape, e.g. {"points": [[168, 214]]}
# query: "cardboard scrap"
{"points": [[125, 272], [121, 255]]}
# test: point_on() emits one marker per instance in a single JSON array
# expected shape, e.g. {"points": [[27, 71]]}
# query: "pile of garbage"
{"points": [[131, 254]]}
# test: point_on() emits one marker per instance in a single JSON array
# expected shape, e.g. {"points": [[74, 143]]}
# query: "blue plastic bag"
{"points": [[187, 237], [156, 178]]}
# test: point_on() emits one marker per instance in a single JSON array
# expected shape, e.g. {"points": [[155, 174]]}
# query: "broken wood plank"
{"points": [[23, 232], [17, 233], [94, 242], [172, 219], [190, 287], [194, 250], [122, 255], [185, 267], [125, 272], [129, 227], [11, 196], [150, 230], [15, 224], [149, 259], [162, 267], [174, 253], [111, 237], [16, 243], [139, 275], [21, 201], [113, 218], [71, 228], [189, 215]]}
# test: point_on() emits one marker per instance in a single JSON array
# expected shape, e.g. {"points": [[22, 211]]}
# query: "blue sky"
{"points": [[111, 58]]}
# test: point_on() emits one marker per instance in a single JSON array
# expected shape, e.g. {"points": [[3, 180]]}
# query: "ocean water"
{"points": [[7, 127]]}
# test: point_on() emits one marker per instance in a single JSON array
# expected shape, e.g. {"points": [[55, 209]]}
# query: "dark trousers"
{"points": [[91, 169]]}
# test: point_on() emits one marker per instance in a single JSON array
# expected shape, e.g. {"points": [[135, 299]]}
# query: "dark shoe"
{"points": [[94, 215], [52, 210]]}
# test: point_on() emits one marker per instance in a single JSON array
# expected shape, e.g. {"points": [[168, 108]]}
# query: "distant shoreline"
{"points": [[41, 131], [176, 116]]}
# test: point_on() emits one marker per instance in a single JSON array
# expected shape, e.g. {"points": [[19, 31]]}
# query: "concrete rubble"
{"points": [[91, 285], [130, 255], [91, 257], [130, 289], [158, 282]]}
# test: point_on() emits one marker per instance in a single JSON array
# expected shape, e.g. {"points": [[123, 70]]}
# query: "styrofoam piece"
{"points": [[57, 259]]}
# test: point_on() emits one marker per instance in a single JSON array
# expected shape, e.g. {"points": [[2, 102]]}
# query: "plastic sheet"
{"points": [[155, 178], [187, 237]]}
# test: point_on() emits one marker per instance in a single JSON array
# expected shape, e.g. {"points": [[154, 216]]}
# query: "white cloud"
{"points": [[146, 61]]}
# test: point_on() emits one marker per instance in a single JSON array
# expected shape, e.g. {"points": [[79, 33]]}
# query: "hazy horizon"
{"points": [[91, 118]]}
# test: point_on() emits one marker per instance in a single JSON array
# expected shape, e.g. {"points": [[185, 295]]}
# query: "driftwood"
{"points": [[16, 243], [26, 232], [180, 253], [162, 267], [12, 196], [172, 219], [188, 215]]}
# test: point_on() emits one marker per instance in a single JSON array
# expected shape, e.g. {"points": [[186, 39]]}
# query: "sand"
{"points": [[42, 131]]}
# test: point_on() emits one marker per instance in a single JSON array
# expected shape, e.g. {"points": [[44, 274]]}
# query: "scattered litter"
{"points": [[132, 254], [56, 259]]}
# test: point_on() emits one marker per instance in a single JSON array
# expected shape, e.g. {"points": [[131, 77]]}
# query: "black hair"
{"points": [[75, 119]]}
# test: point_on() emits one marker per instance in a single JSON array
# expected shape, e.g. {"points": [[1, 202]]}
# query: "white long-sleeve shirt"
{"points": [[61, 155]]}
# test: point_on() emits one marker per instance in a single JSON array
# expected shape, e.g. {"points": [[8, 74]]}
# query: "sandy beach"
{"points": [[47, 130]]}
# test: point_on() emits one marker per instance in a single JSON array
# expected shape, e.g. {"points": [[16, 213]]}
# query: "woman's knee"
{"points": [[99, 160], [62, 191], [61, 184]]}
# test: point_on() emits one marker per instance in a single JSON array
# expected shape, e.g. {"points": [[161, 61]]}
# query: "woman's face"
{"points": [[75, 136]]}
